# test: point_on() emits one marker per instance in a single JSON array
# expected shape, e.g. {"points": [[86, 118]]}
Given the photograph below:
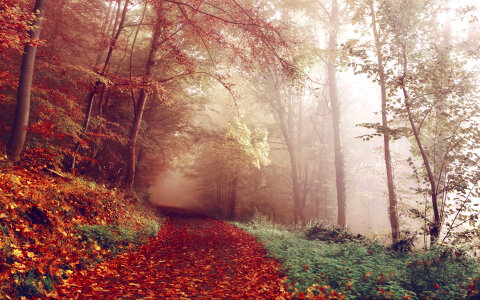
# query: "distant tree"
{"points": [[334, 24], [228, 157], [207, 28], [241, 148], [281, 101]]}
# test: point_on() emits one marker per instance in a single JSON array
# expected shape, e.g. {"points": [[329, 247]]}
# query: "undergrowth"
{"points": [[116, 237], [53, 224], [361, 268]]}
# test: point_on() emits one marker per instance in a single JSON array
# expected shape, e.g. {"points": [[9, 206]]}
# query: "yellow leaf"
{"points": [[18, 253]]}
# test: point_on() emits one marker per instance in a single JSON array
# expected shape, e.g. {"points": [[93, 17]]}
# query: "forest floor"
{"points": [[192, 257]]}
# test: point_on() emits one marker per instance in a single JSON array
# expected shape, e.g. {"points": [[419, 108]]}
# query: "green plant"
{"points": [[30, 286], [103, 234], [361, 268], [150, 228], [111, 237], [440, 273], [329, 233], [126, 236]]}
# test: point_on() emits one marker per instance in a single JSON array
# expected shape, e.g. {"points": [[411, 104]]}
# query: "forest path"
{"points": [[192, 257]]}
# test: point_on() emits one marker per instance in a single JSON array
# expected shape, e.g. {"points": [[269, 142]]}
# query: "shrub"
{"points": [[33, 285], [440, 273], [112, 236], [360, 268], [150, 228], [329, 233], [103, 234]]}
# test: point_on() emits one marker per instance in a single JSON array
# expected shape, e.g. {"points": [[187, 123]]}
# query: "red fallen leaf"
{"points": [[457, 254], [306, 267], [334, 295], [471, 286], [436, 286]]}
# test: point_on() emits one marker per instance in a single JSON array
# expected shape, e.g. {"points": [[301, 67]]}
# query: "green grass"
{"points": [[361, 268], [114, 237]]}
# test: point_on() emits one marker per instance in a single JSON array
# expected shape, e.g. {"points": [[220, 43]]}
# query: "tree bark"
{"points": [[22, 110], [392, 197], [436, 224], [332, 91], [138, 115]]}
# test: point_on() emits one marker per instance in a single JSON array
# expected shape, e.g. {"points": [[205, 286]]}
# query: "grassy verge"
{"points": [[323, 257], [53, 225]]}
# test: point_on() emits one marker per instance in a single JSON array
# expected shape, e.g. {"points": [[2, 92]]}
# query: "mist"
{"points": [[232, 173], [173, 189]]}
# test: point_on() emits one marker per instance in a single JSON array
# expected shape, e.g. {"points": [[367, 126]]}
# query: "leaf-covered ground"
{"points": [[41, 214], [192, 257]]}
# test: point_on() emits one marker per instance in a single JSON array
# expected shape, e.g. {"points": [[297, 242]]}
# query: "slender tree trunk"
{"points": [[436, 225], [115, 20], [317, 194], [88, 111], [302, 164], [392, 197], [298, 212], [22, 110], [233, 197], [100, 102], [138, 115], [219, 190], [305, 187], [334, 101], [135, 40], [105, 29]]}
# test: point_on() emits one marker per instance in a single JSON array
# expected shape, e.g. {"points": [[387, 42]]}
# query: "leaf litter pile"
{"points": [[191, 257]]}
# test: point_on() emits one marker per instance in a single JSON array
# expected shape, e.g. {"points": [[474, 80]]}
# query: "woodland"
{"points": [[275, 149]]}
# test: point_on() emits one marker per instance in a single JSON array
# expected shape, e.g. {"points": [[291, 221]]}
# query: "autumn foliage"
{"points": [[40, 213], [15, 21]]}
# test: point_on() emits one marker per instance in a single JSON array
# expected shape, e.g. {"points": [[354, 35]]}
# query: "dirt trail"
{"points": [[192, 257]]}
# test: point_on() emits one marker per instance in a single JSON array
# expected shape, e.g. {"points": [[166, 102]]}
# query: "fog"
{"points": [[173, 189], [291, 174]]}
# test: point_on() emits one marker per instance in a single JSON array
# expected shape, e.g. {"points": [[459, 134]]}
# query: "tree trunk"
{"points": [[88, 111], [436, 224], [392, 197], [219, 189], [332, 91], [305, 187], [105, 28], [115, 19], [233, 197], [138, 114], [298, 212], [22, 110]]}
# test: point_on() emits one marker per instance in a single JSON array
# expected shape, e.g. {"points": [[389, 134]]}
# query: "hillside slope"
{"points": [[53, 225]]}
